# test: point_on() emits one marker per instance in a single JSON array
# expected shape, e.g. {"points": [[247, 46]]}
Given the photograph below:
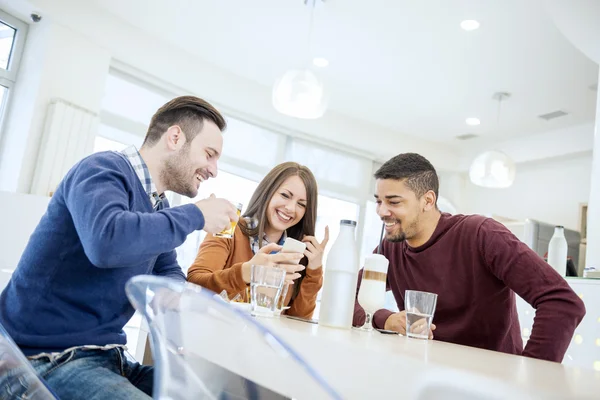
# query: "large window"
{"points": [[252, 146], [110, 138], [125, 97], [249, 152], [329, 213], [104, 144], [7, 40], [229, 186], [371, 230], [12, 40]]}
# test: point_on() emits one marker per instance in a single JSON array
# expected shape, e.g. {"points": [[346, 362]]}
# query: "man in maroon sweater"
{"points": [[474, 264]]}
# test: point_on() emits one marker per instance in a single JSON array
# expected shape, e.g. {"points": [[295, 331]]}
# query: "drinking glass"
{"points": [[228, 232], [281, 301], [371, 295], [265, 288], [420, 307]]}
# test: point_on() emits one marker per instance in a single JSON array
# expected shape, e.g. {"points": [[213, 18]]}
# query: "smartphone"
{"points": [[310, 321], [386, 332], [292, 245]]}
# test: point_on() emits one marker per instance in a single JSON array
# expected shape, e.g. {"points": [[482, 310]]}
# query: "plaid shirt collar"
{"points": [[254, 242], [143, 174]]}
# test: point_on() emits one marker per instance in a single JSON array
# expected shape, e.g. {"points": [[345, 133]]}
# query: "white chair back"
{"points": [[192, 333], [18, 379]]}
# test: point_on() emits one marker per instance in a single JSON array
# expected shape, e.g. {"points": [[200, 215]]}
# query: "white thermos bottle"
{"points": [[557, 251], [339, 282]]}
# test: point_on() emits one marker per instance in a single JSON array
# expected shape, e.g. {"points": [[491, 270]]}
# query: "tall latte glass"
{"points": [[371, 295]]}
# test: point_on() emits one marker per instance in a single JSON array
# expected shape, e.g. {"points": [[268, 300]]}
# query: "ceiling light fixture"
{"points": [[301, 93], [320, 62], [472, 121], [469, 25], [493, 169]]}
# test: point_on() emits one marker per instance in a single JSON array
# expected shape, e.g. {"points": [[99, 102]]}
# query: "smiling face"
{"points": [[194, 162], [406, 196], [400, 210], [287, 205]]}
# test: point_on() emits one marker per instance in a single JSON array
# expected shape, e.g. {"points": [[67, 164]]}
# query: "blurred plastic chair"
{"points": [[18, 379], [194, 335]]}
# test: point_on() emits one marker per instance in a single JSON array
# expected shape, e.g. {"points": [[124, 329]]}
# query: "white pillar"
{"points": [[592, 257]]}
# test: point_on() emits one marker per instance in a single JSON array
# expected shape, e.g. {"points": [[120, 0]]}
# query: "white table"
{"points": [[363, 365]]}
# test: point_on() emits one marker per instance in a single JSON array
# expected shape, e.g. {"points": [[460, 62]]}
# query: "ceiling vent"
{"points": [[594, 87], [553, 115], [466, 136]]}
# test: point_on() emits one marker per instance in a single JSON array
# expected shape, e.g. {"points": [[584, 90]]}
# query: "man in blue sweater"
{"points": [[108, 221]]}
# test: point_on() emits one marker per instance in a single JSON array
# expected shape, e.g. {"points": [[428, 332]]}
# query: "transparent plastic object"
{"points": [[204, 348], [18, 379]]}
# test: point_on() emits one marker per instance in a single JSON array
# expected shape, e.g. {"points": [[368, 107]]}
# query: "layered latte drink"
{"points": [[371, 295]]}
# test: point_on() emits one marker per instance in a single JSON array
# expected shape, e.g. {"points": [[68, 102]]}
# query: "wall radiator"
{"points": [[68, 136]]}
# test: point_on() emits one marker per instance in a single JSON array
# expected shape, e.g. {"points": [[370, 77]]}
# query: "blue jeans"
{"points": [[96, 375]]}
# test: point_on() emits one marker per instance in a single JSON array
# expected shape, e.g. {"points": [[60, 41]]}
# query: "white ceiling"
{"points": [[403, 64]]}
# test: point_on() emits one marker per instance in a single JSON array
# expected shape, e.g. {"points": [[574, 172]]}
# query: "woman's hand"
{"points": [[287, 261], [314, 250]]}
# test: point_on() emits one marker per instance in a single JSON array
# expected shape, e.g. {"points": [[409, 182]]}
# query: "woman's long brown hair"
{"points": [[266, 189]]}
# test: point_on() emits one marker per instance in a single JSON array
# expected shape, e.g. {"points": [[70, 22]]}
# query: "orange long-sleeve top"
{"points": [[218, 267]]}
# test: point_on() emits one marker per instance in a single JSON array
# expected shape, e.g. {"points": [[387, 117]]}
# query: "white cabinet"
{"points": [[584, 350]]}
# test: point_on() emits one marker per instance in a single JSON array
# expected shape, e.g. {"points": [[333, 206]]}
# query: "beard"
{"points": [[403, 234], [178, 175], [395, 237]]}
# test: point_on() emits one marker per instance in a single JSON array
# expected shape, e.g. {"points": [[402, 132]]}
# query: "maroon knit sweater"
{"points": [[476, 265]]}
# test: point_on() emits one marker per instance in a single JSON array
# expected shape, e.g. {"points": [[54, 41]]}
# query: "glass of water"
{"points": [[420, 307], [281, 301], [265, 288]]}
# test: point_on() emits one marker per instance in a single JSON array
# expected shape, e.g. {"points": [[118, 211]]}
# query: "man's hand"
{"points": [[218, 213], [397, 322]]}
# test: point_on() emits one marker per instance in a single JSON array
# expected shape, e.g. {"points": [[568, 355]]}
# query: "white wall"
{"points": [[550, 191], [57, 63], [549, 144], [452, 188], [579, 21], [593, 226], [17, 227]]}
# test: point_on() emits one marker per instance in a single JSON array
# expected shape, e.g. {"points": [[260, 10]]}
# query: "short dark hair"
{"points": [[189, 112], [417, 172]]}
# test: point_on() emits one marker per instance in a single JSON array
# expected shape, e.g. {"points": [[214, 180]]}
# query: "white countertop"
{"points": [[363, 365], [583, 281]]}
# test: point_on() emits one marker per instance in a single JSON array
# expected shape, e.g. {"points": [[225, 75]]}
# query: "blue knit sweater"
{"points": [[99, 230]]}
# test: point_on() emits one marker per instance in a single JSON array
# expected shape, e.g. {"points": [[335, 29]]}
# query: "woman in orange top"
{"points": [[283, 205]]}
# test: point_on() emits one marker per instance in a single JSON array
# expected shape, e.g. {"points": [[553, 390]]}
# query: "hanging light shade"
{"points": [[300, 93], [445, 205], [493, 169]]}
